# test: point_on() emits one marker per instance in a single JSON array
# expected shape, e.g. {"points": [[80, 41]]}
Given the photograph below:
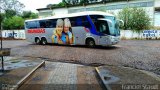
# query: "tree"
{"points": [[49, 6], [11, 5], [71, 2], [16, 22], [61, 4], [134, 18], [2, 16], [10, 13], [29, 15], [84, 2]]}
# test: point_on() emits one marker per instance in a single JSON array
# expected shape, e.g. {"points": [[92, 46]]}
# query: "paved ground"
{"points": [[63, 76], [124, 78], [139, 54], [66, 76], [15, 68]]}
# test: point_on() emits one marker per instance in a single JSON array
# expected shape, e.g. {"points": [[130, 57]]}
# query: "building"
{"points": [[152, 8]]}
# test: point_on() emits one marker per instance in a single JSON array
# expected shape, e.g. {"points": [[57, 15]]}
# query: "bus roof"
{"points": [[73, 15]]}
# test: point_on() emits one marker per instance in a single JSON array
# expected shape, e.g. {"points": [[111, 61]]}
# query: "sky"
{"points": [[32, 5]]}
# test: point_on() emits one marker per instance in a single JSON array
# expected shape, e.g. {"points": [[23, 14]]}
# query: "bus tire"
{"points": [[90, 43], [43, 41], [37, 40]]}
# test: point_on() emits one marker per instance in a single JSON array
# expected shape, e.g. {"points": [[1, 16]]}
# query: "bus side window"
{"points": [[73, 22], [32, 24], [26, 25], [48, 24], [78, 21], [85, 22], [53, 23], [42, 24]]}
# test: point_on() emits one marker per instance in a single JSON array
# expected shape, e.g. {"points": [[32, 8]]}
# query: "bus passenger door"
{"points": [[103, 29]]}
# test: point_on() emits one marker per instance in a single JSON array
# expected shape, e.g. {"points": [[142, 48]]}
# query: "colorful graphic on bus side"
{"points": [[63, 32]]}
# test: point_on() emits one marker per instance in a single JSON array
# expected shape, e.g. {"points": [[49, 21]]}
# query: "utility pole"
{"points": [[2, 61]]}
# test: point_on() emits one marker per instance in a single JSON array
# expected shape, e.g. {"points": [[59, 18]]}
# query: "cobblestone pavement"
{"points": [[139, 54], [64, 76]]}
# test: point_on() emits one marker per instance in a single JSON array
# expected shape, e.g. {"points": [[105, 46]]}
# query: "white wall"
{"points": [[45, 13], [157, 3], [128, 34], [157, 19], [60, 11], [18, 34]]}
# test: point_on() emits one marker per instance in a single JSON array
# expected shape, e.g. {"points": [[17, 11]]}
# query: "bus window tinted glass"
{"points": [[47, 23], [42, 24], [72, 20], [102, 27], [80, 21], [51, 23], [95, 17], [32, 25]]}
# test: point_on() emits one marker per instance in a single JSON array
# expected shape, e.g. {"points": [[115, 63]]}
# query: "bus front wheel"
{"points": [[43, 41], [37, 40], [90, 43]]}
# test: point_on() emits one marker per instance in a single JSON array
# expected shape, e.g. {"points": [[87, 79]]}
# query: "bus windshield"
{"points": [[113, 26], [106, 24], [102, 27]]}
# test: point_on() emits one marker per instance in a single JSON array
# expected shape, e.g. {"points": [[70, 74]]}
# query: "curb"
{"points": [[23, 80], [102, 79]]}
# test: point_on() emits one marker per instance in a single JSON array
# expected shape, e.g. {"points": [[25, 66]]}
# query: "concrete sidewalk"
{"points": [[67, 76], [125, 78], [63, 76]]}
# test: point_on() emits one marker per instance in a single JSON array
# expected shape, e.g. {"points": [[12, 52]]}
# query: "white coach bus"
{"points": [[84, 28]]}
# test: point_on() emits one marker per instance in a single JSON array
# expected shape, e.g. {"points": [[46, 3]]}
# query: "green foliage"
{"points": [[84, 2], [71, 2], [29, 15], [66, 3], [61, 4], [49, 6], [11, 20], [135, 19], [15, 22], [2, 16], [9, 13]]}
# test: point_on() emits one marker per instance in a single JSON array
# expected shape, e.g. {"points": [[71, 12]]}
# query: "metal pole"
{"points": [[2, 64], [1, 49]]}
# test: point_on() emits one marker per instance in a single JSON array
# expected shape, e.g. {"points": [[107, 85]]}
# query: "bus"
{"points": [[84, 28]]}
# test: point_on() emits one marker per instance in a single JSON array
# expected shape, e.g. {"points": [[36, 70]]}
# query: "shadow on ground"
{"points": [[83, 46]]}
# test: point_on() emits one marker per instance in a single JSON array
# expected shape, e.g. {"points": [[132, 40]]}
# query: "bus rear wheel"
{"points": [[90, 43], [37, 40], [43, 41]]}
